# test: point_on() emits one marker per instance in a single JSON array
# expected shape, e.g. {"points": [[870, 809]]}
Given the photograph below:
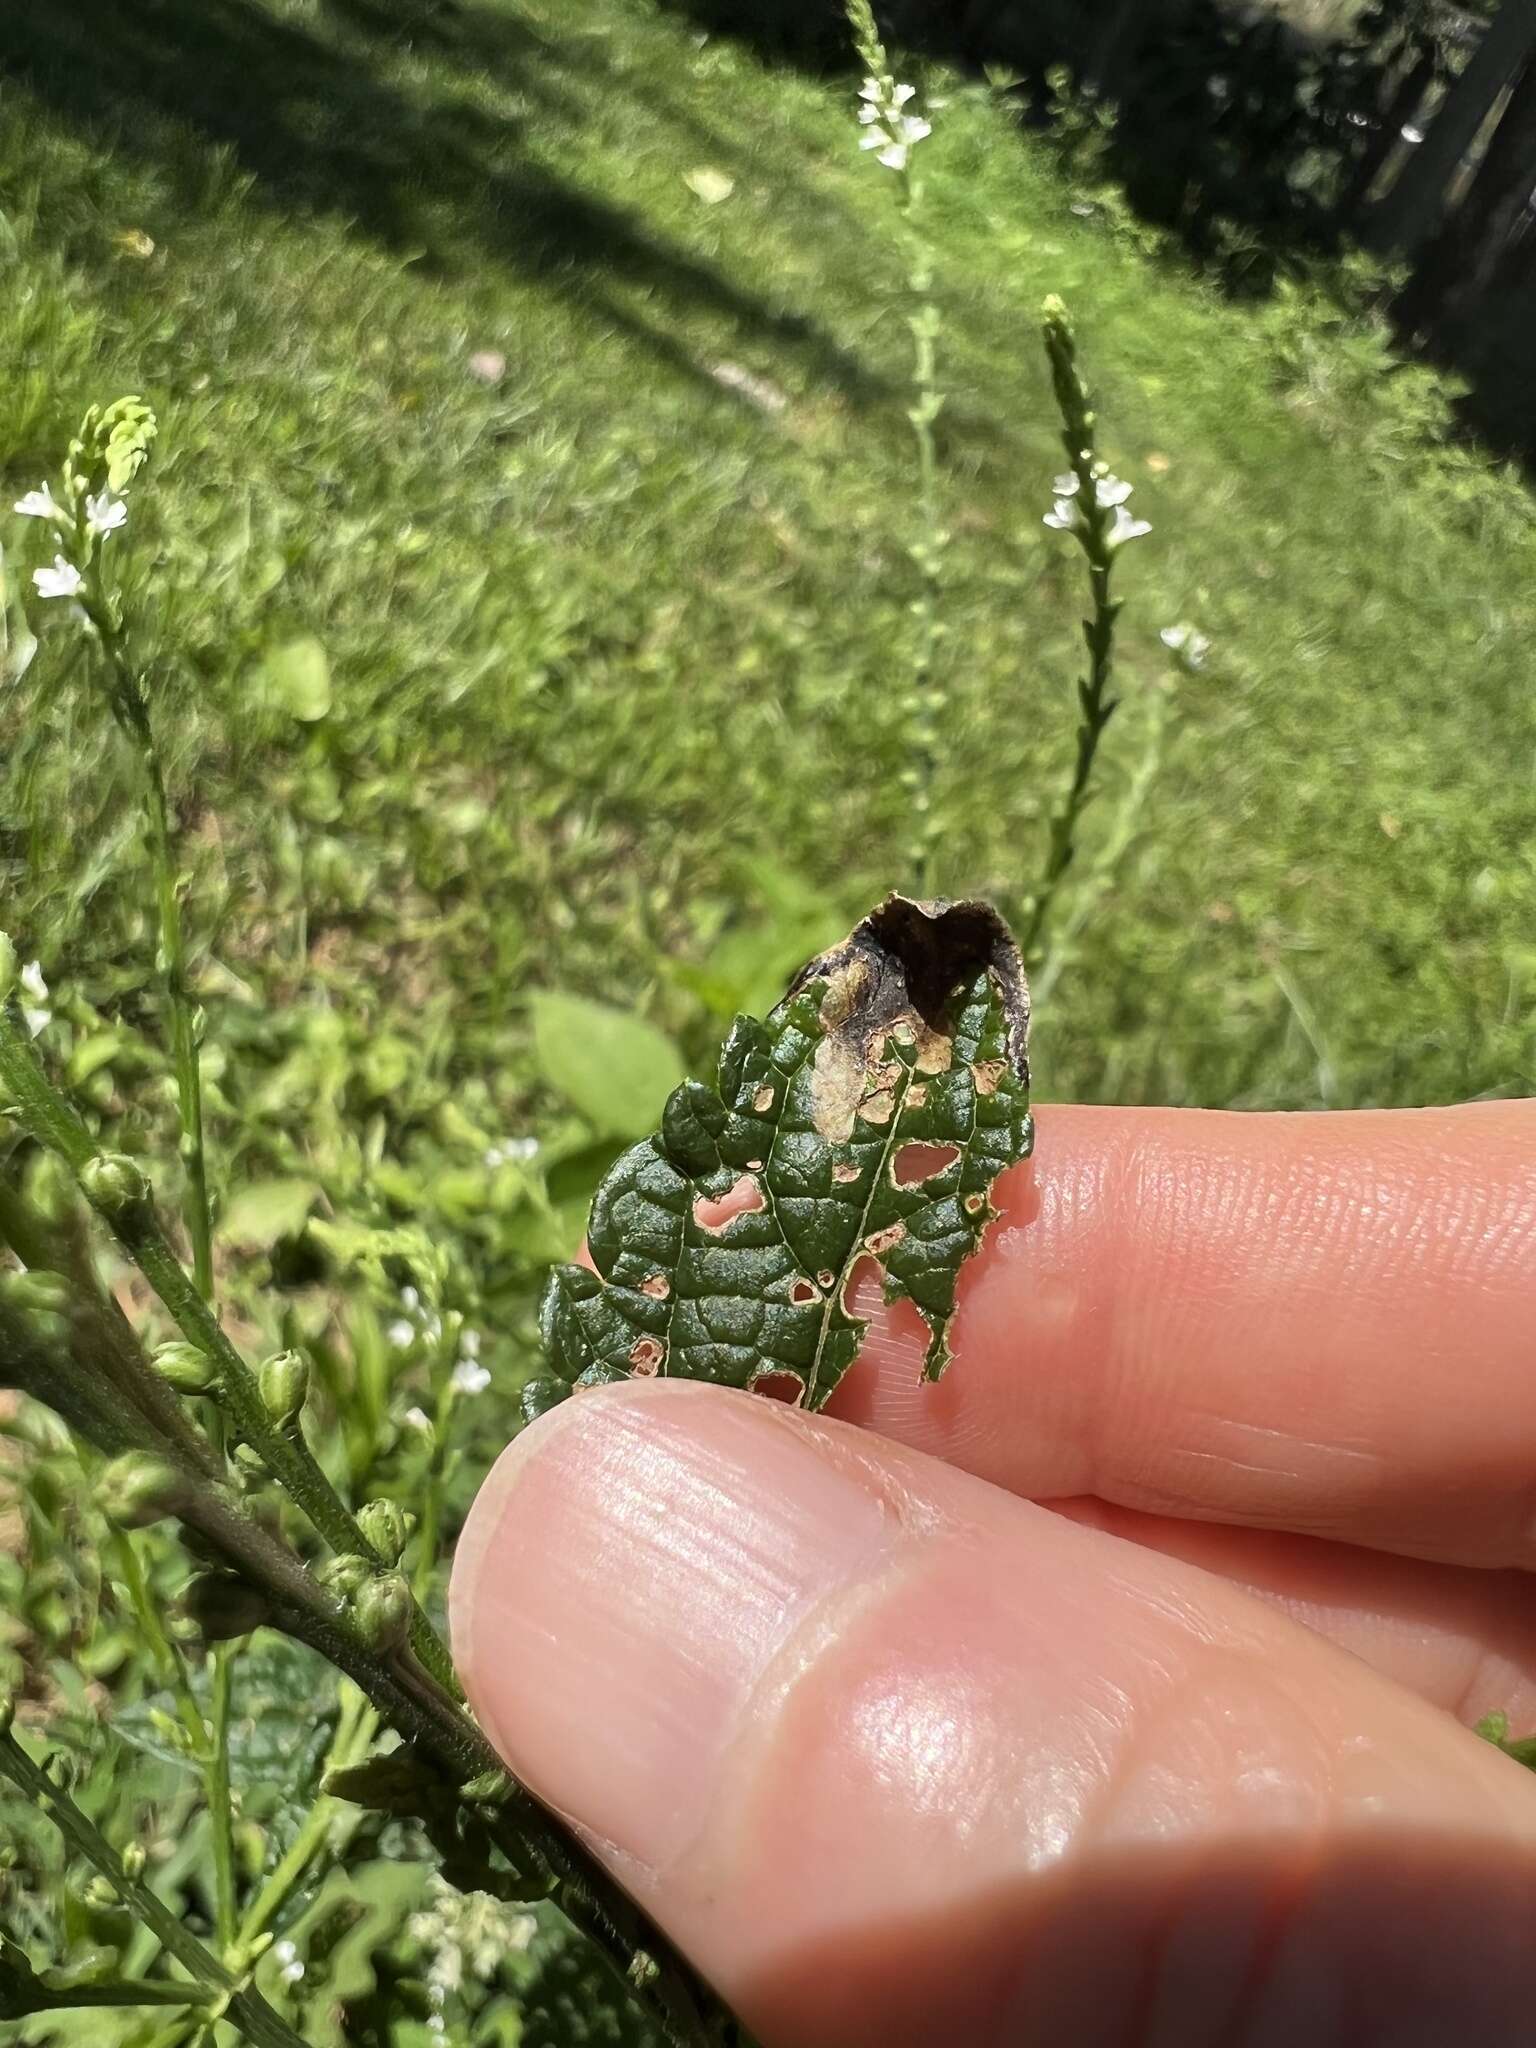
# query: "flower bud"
{"points": [[138, 1488], [99, 1894], [381, 1608], [114, 1183], [385, 1527], [134, 1859], [344, 1574], [225, 1606], [284, 1383], [185, 1367], [36, 1293]]}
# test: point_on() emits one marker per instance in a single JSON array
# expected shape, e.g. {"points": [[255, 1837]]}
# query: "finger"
{"points": [[1321, 1323], [898, 1757], [1463, 1639]]}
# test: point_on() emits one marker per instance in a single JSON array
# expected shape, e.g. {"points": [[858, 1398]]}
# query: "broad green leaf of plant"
{"points": [[610, 1064], [867, 1119]]}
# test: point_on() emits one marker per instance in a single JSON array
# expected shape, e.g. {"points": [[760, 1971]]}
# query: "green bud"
{"points": [[114, 1183], [36, 1293], [187, 1369], [225, 1606], [250, 1850], [50, 1188], [250, 1463], [134, 1859], [381, 1608], [344, 1574], [385, 1527], [99, 1893], [491, 1788], [284, 1383], [137, 1488]]}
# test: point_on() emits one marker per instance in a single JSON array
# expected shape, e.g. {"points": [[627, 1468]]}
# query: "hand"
{"points": [[900, 1757]]}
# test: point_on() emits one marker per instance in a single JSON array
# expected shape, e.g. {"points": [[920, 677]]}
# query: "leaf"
{"points": [[266, 1211], [296, 678], [910, 1034], [613, 1066]]}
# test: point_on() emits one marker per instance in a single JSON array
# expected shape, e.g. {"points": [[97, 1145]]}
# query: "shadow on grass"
{"points": [[343, 118]]}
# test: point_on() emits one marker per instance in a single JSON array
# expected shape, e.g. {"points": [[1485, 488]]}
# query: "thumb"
{"points": [[896, 1756]]}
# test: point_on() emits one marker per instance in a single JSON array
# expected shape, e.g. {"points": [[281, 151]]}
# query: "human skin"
{"points": [[899, 1754]]}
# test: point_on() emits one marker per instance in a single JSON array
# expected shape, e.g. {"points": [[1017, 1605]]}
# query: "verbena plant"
{"points": [[265, 1517]]}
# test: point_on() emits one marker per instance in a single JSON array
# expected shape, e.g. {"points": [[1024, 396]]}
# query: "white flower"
{"points": [[1109, 490], [418, 1418], [469, 1343], [1187, 642], [105, 513], [1065, 485], [1064, 515], [42, 504], [510, 1151], [469, 1377], [1126, 528], [1411, 134], [289, 1967], [890, 131], [62, 580], [401, 1333], [36, 1009], [411, 1298]]}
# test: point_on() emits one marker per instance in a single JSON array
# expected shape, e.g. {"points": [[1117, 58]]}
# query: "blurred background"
{"points": [[523, 580]]}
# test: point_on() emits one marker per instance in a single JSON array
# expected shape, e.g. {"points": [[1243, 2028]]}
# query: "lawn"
{"points": [[522, 579]]}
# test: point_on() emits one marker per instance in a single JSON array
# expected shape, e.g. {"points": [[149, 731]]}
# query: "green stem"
{"points": [[165, 1652], [132, 708], [126, 1991], [242, 2004], [221, 1815], [927, 550]]}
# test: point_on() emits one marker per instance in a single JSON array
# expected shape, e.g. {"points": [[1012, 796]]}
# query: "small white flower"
{"points": [[62, 580], [1065, 485], [289, 1967], [469, 1343], [1109, 490], [1126, 528], [105, 513], [511, 1151], [36, 1008], [1411, 134], [411, 1298], [888, 130], [1064, 515], [42, 504], [1187, 642], [418, 1418], [469, 1377], [401, 1333]]}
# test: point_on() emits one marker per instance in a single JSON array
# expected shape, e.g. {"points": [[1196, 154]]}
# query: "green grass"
{"points": [[612, 646]]}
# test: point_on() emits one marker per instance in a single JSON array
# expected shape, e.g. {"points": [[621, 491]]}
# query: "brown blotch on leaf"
{"points": [[657, 1286], [803, 1292], [880, 1108], [916, 1095], [762, 1101], [881, 1241], [843, 1171], [826, 1277], [974, 1204], [894, 978], [987, 1074], [645, 1357]]}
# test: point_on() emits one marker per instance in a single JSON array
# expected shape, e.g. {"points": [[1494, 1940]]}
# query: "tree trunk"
{"points": [[1460, 263], [1410, 212]]}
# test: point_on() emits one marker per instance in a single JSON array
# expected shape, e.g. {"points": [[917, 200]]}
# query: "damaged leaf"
{"points": [[868, 1118]]}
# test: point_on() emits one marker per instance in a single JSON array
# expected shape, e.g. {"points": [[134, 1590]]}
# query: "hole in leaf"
{"points": [[864, 1288], [741, 1200], [780, 1386], [914, 1163], [803, 1293], [645, 1357]]}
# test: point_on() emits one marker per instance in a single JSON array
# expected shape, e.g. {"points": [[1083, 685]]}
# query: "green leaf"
{"points": [[613, 1066], [264, 1212], [868, 1118], [296, 678]]}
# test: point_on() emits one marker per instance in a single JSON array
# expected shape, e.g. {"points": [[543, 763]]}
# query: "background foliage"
{"points": [[523, 573]]}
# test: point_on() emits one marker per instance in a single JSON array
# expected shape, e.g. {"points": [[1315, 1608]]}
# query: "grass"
{"points": [[611, 636]]}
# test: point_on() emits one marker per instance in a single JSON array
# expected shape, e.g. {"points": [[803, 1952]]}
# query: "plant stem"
{"points": [[241, 2003], [131, 705], [221, 1817]]}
